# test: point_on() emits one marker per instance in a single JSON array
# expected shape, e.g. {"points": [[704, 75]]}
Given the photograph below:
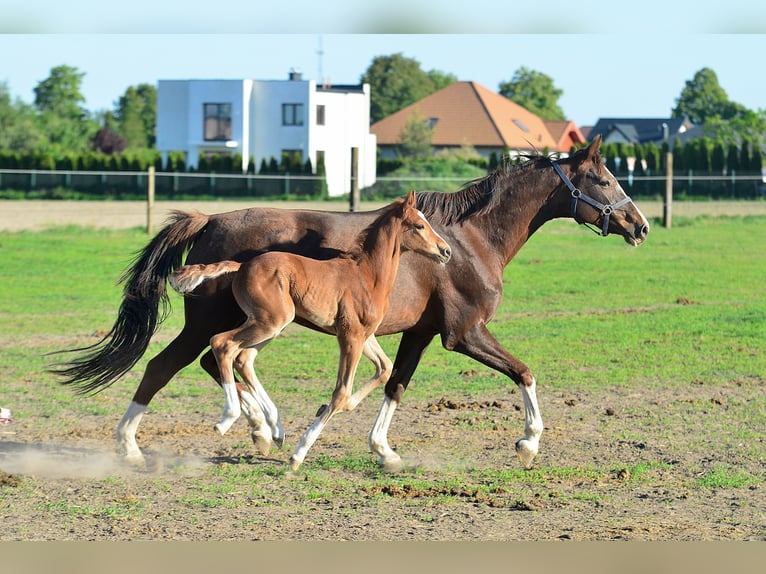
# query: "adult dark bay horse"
{"points": [[347, 296], [485, 223]]}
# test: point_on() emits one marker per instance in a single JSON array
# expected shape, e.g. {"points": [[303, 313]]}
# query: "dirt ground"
{"points": [[643, 483], [640, 464]]}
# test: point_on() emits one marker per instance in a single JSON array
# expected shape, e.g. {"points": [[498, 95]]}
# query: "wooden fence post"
{"points": [[667, 205], [355, 197], [150, 200]]}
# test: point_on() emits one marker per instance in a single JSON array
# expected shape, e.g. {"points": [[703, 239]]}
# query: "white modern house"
{"points": [[262, 119]]}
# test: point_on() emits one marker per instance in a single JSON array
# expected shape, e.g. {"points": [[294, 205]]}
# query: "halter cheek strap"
{"points": [[577, 195]]}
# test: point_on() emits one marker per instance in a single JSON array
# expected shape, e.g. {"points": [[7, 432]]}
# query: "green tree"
{"points": [[61, 114], [415, 137], [703, 98], [534, 91], [136, 115], [441, 79], [19, 131], [396, 82]]}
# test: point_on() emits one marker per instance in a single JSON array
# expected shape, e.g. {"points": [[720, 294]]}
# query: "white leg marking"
{"points": [[261, 400], [260, 433], [307, 440], [527, 447], [126, 432], [231, 409], [378, 437]]}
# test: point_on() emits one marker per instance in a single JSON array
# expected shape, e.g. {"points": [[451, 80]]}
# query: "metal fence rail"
{"points": [[170, 185]]}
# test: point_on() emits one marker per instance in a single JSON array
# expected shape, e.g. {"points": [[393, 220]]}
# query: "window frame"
{"points": [[219, 122]]}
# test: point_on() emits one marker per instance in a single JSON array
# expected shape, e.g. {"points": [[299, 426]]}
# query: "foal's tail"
{"points": [[144, 306], [187, 278]]}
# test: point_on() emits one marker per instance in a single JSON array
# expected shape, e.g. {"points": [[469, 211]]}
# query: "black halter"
{"points": [[605, 210]]}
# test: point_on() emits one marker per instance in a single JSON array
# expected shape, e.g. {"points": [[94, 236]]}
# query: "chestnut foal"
{"points": [[347, 296]]}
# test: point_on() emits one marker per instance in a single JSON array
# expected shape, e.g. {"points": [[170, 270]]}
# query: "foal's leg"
{"points": [[383, 365], [255, 333], [350, 353], [255, 396], [251, 411]]}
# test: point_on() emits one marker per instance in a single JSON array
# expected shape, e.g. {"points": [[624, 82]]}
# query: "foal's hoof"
{"points": [[321, 410], [262, 443], [294, 464], [526, 452], [278, 441]]}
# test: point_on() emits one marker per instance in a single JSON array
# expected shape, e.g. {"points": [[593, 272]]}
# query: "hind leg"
{"points": [[179, 353], [255, 333], [260, 431], [383, 367], [254, 394]]}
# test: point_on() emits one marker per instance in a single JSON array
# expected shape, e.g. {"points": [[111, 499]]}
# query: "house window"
{"points": [[319, 160], [292, 114], [320, 115], [217, 125]]}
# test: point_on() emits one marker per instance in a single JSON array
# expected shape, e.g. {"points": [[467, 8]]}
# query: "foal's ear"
{"points": [[410, 199]]}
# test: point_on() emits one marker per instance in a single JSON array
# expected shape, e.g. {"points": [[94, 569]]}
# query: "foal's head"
{"points": [[417, 233]]}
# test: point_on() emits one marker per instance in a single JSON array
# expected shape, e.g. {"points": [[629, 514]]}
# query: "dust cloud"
{"points": [[67, 462]]}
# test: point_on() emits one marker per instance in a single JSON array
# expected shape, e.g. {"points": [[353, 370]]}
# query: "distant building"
{"points": [[467, 113], [638, 130], [262, 119]]}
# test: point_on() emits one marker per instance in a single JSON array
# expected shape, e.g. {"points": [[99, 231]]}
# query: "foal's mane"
{"points": [[477, 196], [368, 235]]}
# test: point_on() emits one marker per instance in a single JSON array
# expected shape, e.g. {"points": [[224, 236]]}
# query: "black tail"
{"points": [[144, 306]]}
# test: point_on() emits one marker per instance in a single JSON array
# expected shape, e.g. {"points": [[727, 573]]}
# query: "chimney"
{"points": [[295, 75]]}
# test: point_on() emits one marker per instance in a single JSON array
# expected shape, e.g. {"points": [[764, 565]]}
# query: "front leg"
{"points": [[411, 348], [479, 344]]}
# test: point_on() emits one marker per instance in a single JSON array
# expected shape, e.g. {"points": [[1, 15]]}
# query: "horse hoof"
{"points": [[278, 441], [262, 444], [220, 428], [294, 464], [321, 410], [526, 452], [392, 465], [135, 459]]}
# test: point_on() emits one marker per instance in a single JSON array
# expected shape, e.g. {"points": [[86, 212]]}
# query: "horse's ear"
{"points": [[594, 147], [410, 199]]}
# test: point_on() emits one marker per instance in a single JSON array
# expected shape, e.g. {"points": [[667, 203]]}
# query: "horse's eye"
{"points": [[419, 226]]}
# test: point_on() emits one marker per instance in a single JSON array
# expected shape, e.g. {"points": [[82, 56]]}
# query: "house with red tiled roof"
{"points": [[467, 113], [565, 133]]}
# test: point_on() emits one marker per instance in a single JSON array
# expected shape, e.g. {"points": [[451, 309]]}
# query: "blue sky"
{"points": [[625, 61]]}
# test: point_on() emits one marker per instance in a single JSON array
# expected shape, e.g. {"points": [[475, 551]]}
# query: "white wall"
{"points": [[257, 128]]}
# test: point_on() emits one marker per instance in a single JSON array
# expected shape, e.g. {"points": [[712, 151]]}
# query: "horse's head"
{"points": [[597, 197], [418, 235]]}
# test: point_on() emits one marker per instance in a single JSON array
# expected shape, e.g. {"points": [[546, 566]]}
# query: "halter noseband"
{"points": [[605, 210]]}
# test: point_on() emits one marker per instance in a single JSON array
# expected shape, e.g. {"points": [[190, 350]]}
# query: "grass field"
{"points": [[682, 313]]}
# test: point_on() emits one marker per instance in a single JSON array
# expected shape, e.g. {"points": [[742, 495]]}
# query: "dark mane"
{"points": [[477, 196], [368, 235]]}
